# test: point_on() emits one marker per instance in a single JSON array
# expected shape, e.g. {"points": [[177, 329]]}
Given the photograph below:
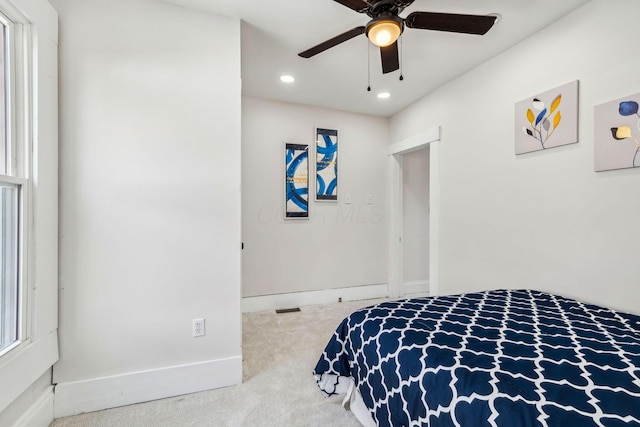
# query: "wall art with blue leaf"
{"points": [[296, 181], [548, 119], [326, 164], [617, 134]]}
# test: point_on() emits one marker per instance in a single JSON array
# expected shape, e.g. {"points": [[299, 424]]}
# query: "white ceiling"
{"points": [[274, 31]]}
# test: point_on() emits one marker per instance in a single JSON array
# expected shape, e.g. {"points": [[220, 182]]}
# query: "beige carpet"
{"points": [[279, 354]]}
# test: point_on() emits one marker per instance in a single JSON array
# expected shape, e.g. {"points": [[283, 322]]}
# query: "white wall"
{"points": [[544, 220], [340, 245], [415, 221], [150, 202]]}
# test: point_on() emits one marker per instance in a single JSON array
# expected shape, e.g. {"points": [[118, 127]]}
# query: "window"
{"points": [[28, 198], [3, 102], [13, 183], [9, 308]]}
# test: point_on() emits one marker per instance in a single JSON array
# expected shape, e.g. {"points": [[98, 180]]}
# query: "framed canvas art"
{"points": [[296, 181], [326, 164], [617, 134], [548, 119]]}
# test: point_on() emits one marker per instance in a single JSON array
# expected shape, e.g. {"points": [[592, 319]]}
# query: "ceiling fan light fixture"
{"points": [[384, 32]]}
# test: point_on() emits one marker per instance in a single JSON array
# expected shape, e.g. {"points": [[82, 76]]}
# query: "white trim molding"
{"points": [[26, 363], [395, 152], [297, 299], [76, 397], [434, 218], [415, 142], [25, 366], [40, 413]]}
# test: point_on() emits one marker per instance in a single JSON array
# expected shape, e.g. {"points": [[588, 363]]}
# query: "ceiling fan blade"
{"points": [[357, 5], [455, 23], [348, 35], [389, 55]]}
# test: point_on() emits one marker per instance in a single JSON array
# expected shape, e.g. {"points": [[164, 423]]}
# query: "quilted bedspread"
{"points": [[509, 358]]}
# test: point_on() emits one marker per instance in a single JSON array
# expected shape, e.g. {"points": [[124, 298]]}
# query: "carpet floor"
{"points": [[278, 389]]}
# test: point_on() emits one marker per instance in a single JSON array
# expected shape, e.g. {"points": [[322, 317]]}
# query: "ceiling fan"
{"points": [[385, 27]]}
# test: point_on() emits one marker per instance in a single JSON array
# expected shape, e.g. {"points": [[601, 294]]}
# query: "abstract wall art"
{"points": [[548, 119], [296, 181], [326, 164], [617, 134]]}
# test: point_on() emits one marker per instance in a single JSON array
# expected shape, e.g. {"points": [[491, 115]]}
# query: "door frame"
{"points": [[395, 153]]}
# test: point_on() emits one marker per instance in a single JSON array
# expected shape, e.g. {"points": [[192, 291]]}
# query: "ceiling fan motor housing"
{"points": [[390, 7]]}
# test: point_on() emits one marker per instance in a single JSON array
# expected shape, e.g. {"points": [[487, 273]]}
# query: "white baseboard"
{"points": [[415, 288], [297, 299], [40, 414], [76, 397]]}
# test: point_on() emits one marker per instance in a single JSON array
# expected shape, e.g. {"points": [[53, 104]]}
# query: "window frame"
{"points": [[24, 365], [18, 125]]}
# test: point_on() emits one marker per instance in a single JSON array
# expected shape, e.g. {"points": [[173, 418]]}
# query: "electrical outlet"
{"points": [[198, 327]]}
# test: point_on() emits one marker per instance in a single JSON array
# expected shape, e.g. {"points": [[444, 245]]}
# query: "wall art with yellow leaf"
{"points": [[548, 119], [617, 134]]}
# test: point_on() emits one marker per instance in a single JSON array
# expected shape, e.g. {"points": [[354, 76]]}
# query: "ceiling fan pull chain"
{"points": [[368, 66], [401, 56]]}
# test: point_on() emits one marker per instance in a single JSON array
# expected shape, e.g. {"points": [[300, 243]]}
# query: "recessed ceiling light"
{"points": [[384, 95], [287, 78]]}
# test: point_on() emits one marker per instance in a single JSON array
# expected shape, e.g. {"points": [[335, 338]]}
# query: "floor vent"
{"points": [[287, 310]]}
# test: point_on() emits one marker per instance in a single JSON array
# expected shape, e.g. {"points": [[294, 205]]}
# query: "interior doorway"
{"points": [[415, 222], [413, 246]]}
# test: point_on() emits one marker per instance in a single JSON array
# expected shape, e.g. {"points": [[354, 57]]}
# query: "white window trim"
{"points": [[19, 122], [27, 361]]}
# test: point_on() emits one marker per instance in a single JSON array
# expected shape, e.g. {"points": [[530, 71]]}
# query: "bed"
{"points": [[507, 358]]}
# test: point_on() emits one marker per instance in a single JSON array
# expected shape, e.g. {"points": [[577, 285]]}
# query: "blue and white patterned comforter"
{"points": [[508, 358]]}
